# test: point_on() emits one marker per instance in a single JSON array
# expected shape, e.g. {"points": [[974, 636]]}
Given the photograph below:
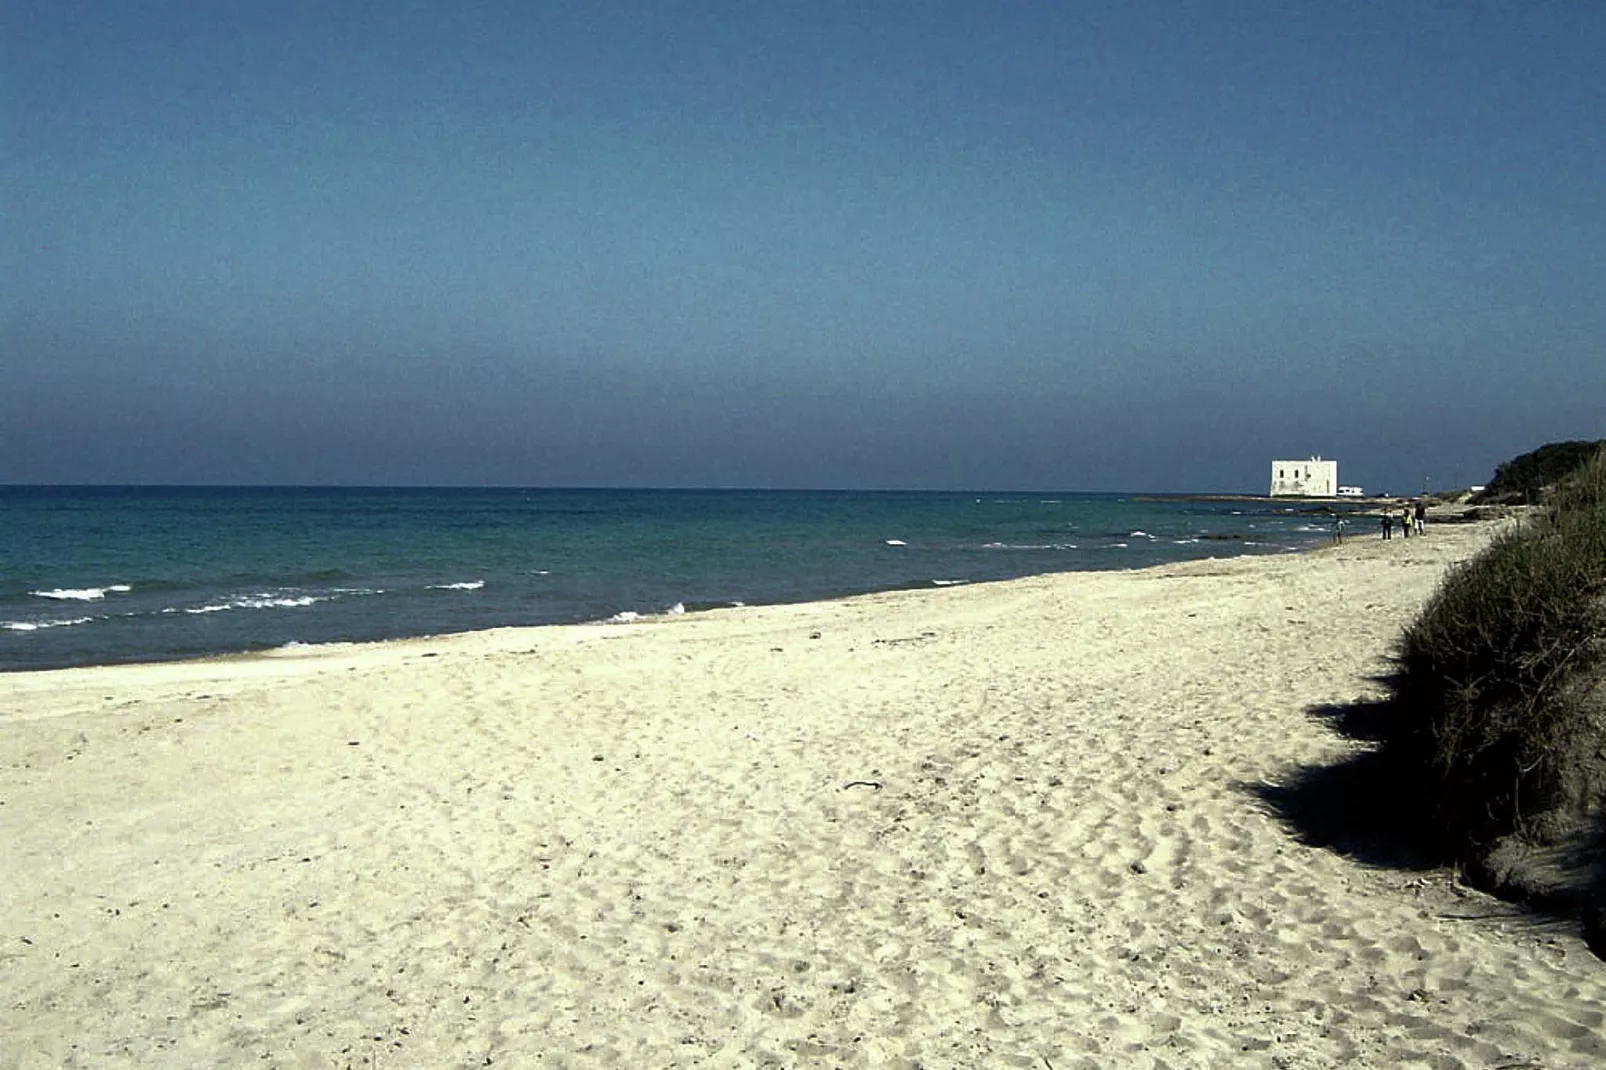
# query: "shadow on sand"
{"points": [[1364, 806], [1375, 808]]}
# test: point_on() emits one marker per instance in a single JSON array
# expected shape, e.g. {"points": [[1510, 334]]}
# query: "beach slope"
{"points": [[1017, 824]]}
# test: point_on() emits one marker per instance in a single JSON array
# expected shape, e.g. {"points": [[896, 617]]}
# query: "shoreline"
{"points": [[977, 825], [625, 618]]}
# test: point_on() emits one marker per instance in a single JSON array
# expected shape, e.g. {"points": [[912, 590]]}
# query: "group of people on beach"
{"points": [[1410, 519]]}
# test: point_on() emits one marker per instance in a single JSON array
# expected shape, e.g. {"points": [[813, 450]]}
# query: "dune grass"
{"points": [[1499, 698]]}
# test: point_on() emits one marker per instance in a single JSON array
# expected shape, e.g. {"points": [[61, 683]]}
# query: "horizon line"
{"points": [[603, 487]]}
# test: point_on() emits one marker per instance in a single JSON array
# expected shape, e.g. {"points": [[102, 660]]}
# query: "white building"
{"points": [[1312, 478]]}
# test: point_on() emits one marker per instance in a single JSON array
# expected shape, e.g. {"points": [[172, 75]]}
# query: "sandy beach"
{"points": [[1006, 825]]}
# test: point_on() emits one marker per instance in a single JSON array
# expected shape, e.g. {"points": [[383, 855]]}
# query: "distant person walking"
{"points": [[1338, 527], [1405, 523], [1421, 516], [1388, 524]]}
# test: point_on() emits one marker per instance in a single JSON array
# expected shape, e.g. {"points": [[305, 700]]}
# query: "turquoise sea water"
{"points": [[115, 574]]}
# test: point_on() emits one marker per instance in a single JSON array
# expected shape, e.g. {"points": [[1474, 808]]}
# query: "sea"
{"points": [[102, 575]]}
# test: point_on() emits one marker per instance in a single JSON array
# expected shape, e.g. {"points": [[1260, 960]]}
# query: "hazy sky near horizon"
{"points": [[1118, 245]]}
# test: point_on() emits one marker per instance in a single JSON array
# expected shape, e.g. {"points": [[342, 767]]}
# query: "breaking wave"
{"points": [[39, 625], [83, 594], [257, 602]]}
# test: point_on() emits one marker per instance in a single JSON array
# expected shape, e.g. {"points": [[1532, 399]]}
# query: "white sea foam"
{"points": [[1029, 546], [280, 603], [1140, 535], [468, 585], [83, 594], [896, 542], [948, 583], [39, 625], [262, 601], [630, 616]]}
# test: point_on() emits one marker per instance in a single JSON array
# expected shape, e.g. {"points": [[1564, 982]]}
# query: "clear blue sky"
{"points": [[1106, 245]]}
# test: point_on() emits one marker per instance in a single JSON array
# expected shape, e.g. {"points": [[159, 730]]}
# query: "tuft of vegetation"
{"points": [[1525, 479], [1489, 684], [1498, 713]]}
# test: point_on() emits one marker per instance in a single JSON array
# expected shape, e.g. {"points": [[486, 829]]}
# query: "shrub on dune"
{"points": [[1500, 690], [1529, 477]]}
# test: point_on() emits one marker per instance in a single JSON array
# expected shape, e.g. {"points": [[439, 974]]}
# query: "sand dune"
{"points": [[1007, 825]]}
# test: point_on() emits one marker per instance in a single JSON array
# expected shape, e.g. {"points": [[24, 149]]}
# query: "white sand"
{"points": [[992, 826]]}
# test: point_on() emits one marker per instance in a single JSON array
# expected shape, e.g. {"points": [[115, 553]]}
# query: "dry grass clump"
{"points": [[1500, 697]]}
